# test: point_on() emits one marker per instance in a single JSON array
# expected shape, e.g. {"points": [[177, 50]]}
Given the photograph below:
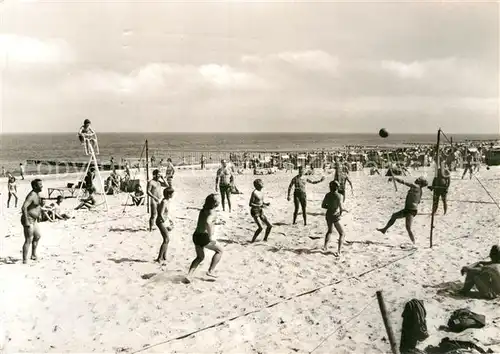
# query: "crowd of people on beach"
{"points": [[160, 192]]}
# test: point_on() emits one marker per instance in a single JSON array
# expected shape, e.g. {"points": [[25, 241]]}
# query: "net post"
{"points": [[437, 167]]}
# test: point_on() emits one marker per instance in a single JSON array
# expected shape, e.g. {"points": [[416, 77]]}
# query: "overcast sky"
{"points": [[249, 66]]}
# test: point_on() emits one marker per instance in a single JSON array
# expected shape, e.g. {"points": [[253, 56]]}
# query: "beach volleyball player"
{"points": [[30, 216]]}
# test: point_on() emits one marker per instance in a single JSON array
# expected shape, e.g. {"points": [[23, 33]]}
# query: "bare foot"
{"points": [[212, 275], [34, 258], [25, 261], [186, 280], [382, 231]]}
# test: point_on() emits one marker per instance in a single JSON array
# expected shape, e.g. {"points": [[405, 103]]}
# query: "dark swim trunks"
{"points": [[332, 218], [407, 212], [201, 239], [30, 222], [256, 212], [225, 188]]}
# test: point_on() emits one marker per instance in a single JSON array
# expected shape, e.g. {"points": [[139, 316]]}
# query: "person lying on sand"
{"points": [[203, 237], [30, 215], [485, 276], [333, 205], [299, 195], [155, 193], [89, 202], [164, 223], [410, 210], [257, 206]]}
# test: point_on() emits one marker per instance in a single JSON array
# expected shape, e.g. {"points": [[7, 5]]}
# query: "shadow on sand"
{"points": [[9, 260], [127, 229], [451, 289], [300, 251], [127, 260]]}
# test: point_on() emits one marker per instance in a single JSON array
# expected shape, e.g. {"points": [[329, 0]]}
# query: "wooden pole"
{"points": [[392, 171], [437, 167], [147, 174], [387, 324]]}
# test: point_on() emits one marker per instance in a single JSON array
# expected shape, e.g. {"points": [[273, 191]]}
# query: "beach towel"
{"points": [[414, 325], [463, 319]]}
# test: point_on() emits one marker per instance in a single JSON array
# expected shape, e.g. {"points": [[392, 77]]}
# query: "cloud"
{"points": [[313, 61], [413, 70], [28, 50]]}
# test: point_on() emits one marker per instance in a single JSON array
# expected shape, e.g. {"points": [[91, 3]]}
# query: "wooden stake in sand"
{"points": [[147, 174], [437, 167], [387, 324]]}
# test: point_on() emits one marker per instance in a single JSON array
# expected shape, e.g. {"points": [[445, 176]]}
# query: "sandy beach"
{"points": [[96, 288]]}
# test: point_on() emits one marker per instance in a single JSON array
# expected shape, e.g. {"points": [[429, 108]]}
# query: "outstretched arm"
{"points": [[316, 182], [401, 181]]}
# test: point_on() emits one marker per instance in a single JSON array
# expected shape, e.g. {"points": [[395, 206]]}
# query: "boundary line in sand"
{"points": [[308, 292]]}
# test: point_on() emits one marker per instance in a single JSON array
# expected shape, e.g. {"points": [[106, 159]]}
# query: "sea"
{"points": [[188, 147]]}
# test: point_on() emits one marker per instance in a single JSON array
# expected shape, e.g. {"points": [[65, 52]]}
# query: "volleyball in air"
{"points": [[383, 133]]}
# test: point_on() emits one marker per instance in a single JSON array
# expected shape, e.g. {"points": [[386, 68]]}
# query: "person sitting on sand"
{"points": [[299, 195], [30, 215], [12, 190], [203, 237], [440, 186], [333, 205], [485, 276], [89, 202], [410, 210], [88, 136], [223, 182], [138, 196], [257, 206], [57, 214], [46, 212], [154, 191], [164, 223]]}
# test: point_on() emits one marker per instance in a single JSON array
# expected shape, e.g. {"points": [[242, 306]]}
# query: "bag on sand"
{"points": [[448, 346], [414, 325], [463, 319]]}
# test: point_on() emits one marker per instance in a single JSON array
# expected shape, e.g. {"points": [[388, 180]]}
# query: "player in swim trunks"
{"points": [[155, 193], [223, 183], [30, 215], [333, 205], [256, 210], [410, 210], [203, 237], [440, 186], [299, 195], [164, 223], [342, 177]]}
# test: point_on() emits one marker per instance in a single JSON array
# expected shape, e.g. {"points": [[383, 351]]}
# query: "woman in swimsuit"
{"points": [[12, 188], [203, 237]]}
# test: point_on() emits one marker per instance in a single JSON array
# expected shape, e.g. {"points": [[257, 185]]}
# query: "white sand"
{"points": [[87, 292]]}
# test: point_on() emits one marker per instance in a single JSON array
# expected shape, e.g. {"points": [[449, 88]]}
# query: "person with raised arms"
{"points": [[299, 195]]}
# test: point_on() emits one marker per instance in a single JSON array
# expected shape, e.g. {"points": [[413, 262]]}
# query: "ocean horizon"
{"points": [[19, 147]]}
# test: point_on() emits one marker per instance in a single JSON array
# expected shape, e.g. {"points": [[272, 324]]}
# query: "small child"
{"points": [[138, 196], [256, 210], [164, 223], [88, 136]]}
